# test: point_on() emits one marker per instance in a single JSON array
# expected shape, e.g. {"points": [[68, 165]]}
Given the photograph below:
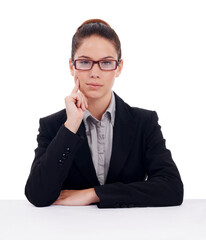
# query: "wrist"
{"points": [[71, 127], [93, 196]]}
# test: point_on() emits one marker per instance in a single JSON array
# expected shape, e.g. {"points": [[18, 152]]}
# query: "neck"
{"points": [[97, 107]]}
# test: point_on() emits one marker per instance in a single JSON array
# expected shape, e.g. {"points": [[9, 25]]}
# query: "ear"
{"points": [[119, 69], [71, 67]]}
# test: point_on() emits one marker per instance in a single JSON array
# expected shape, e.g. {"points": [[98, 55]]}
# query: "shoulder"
{"points": [[135, 112], [56, 116], [53, 122], [144, 114]]}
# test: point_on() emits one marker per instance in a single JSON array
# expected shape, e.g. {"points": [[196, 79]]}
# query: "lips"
{"points": [[94, 84]]}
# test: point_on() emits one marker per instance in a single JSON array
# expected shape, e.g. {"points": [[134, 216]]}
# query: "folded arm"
{"points": [[53, 160], [163, 186]]}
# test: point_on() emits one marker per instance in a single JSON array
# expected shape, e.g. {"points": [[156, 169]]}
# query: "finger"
{"points": [[82, 103], [76, 87], [85, 101], [78, 101], [57, 202]]}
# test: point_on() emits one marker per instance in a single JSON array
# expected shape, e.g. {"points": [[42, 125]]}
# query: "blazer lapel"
{"points": [[123, 137]]}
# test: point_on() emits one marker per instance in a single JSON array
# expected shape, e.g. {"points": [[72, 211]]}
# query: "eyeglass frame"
{"points": [[98, 62]]}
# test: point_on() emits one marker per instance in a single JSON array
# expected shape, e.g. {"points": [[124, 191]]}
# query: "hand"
{"points": [[77, 197], [76, 104]]}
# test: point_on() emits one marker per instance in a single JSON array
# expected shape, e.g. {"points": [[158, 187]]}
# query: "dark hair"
{"points": [[95, 27]]}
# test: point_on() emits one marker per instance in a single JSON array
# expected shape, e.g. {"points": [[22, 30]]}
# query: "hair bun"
{"points": [[95, 20]]}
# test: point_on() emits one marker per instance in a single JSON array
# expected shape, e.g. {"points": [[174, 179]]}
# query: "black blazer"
{"points": [[141, 173]]}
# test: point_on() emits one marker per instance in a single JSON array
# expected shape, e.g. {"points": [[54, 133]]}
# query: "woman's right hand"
{"points": [[76, 104]]}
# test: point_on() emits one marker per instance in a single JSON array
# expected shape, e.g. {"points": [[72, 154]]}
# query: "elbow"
{"points": [[178, 193], [180, 196], [38, 203], [37, 199]]}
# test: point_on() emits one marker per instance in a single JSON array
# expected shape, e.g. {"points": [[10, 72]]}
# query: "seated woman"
{"points": [[99, 150]]}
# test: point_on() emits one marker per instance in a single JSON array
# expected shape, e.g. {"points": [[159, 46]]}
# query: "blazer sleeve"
{"points": [[163, 186], [52, 161]]}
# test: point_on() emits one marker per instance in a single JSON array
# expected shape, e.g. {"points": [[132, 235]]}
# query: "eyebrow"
{"points": [[90, 57]]}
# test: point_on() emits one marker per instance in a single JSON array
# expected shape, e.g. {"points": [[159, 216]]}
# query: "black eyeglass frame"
{"points": [[94, 62]]}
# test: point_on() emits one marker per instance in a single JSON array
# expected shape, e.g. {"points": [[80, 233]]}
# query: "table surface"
{"points": [[21, 220]]}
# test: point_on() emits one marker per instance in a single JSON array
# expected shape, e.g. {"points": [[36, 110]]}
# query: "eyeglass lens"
{"points": [[87, 64]]}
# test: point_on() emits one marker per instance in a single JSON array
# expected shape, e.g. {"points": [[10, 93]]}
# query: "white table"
{"points": [[21, 220]]}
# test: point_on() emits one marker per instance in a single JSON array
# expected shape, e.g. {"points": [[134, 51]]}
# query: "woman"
{"points": [[99, 150]]}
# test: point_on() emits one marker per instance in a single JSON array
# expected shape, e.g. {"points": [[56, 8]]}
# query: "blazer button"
{"points": [[64, 155], [68, 150], [61, 162]]}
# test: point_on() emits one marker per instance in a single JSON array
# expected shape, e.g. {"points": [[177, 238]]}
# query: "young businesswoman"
{"points": [[99, 150]]}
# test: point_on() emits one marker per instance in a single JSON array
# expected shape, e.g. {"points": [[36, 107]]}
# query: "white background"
{"points": [[164, 52]]}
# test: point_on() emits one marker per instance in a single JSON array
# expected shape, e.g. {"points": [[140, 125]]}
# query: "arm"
{"points": [[51, 165], [77, 197], [54, 157], [163, 186]]}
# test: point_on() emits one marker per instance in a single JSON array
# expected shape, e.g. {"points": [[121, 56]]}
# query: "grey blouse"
{"points": [[100, 135]]}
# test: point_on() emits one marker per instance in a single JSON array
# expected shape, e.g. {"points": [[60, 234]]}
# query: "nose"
{"points": [[95, 71]]}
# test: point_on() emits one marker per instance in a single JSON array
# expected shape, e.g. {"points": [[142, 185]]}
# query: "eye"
{"points": [[84, 62], [107, 62]]}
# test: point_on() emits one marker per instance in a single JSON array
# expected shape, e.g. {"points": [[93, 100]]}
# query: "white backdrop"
{"points": [[164, 52]]}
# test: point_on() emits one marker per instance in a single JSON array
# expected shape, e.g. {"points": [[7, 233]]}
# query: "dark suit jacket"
{"points": [[141, 173]]}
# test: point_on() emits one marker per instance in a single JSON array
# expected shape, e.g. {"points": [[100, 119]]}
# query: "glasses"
{"points": [[105, 65]]}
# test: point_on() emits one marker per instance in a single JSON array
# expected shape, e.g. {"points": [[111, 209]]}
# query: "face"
{"points": [[96, 48]]}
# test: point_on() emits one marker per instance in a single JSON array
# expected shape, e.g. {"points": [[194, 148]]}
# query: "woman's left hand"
{"points": [[77, 197]]}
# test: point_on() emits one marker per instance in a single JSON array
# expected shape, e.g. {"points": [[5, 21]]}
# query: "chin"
{"points": [[94, 94]]}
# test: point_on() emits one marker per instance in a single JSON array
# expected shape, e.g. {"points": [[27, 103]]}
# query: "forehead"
{"points": [[96, 47]]}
